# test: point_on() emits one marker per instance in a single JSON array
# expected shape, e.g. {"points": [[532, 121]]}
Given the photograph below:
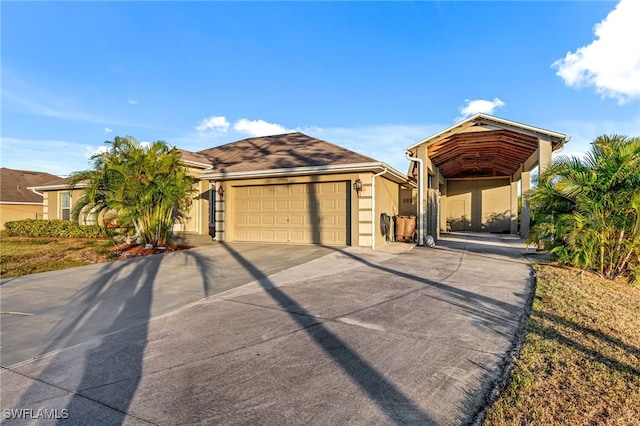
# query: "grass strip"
{"points": [[22, 256], [580, 361]]}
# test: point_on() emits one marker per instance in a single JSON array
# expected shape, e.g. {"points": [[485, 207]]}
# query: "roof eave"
{"points": [[560, 138], [309, 170], [30, 203], [56, 187], [196, 164]]}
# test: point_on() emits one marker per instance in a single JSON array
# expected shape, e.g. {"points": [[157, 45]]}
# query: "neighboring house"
{"points": [[16, 200], [473, 172], [289, 188]]}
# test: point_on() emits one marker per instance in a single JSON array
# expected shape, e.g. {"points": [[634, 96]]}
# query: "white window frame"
{"points": [[64, 208]]}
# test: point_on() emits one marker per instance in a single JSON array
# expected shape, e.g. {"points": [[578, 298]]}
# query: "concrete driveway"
{"points": [[54, 310], [391, 336]]}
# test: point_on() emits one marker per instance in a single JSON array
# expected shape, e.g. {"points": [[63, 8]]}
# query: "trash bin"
{"points": [[401, 223], [405, 228]]}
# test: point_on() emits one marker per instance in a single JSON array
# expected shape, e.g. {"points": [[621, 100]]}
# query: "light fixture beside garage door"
{"points": [[357, 186], [221, 191]]}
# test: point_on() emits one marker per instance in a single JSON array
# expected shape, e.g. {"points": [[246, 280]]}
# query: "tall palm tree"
{"points": [[590, 208], [143, 186]]}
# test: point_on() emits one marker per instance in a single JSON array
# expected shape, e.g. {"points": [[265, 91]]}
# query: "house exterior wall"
{"points": [[478, 204], [387, 201], [196, 217], [11, 212], [408, 203], [51, 202]]}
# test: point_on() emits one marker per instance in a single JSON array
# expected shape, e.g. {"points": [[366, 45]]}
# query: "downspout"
{"points": [[373, 208], [36, 192], [420, 196]]}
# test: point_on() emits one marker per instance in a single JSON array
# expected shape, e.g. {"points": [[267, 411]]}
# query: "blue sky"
{"points": [[374, 77]]}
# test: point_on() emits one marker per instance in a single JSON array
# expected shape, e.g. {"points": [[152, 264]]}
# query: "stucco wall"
{"points": [[478, 204], [51, 202], [10, 212], [408, 204], [387, 201], [196, 219]]}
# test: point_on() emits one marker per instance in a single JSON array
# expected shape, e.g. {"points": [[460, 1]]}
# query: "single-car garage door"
{"points": [[315, 213]]}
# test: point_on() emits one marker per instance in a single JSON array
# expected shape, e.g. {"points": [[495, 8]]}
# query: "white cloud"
{"points": [[256, 128], [477, 106], [108, 130], [90, 151], [214, 124], [611, 63], [132, 101], [217, 125]]}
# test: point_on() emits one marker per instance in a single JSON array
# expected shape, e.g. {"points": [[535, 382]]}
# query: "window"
{"points": [[65, 206]]}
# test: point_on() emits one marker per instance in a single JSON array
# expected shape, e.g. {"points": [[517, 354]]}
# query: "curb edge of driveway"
{"points": [[497, 386]]}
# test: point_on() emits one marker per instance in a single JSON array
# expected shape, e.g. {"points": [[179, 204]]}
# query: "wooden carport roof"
{"points": [[483, 146]]}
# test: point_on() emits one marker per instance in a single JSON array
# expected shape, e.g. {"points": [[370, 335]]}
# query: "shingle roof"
{"points": [[14, 183], [289, 150]]}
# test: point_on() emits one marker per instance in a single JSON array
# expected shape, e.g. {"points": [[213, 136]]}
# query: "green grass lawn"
{"points": [[580, 362], [23, 256]]}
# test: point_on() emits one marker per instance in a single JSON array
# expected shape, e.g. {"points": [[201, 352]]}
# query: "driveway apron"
{"points": [[400, 335]]}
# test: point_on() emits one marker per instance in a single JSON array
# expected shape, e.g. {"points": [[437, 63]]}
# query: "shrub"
{"points": [[589, 209], [55, 228]]}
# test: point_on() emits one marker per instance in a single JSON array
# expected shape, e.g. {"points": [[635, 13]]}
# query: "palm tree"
{"points": [[145, 187], [590, 208]]}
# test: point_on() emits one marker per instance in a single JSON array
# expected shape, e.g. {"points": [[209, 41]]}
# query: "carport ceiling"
{"points": [[482, 153]]}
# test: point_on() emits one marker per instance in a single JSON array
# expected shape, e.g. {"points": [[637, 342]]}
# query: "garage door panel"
{"points": [[298, 220], [296, 189], [268, 220], [280, 236], [297, 205], [282, 220], [297, 213], [253, 191], [282, 205], [268, 205], [298, 236]]}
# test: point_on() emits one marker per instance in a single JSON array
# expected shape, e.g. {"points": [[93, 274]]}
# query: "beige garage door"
{"points": [[296, 213]]}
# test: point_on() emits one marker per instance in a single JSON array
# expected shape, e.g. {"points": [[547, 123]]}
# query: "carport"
{"points": [[473, 172]]}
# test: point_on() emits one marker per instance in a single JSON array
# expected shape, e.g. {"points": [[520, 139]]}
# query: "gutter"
{"points": [[421, 215], [373, 207], [297, 171]]}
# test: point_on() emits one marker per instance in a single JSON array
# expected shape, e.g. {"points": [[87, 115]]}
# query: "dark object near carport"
{"points": [[405, 228]]}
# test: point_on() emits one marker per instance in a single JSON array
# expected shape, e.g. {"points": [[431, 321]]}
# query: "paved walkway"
{"points": [[391, 336]]}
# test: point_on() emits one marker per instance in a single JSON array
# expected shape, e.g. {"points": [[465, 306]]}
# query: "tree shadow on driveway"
{"points": [[399, 408], [121, 296]]}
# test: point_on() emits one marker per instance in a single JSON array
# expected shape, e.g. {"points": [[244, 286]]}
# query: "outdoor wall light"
{"points": [[357, 186], [220, 191]]}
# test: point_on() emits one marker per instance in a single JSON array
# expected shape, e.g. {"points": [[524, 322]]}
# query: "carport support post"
{"points": [[514, 206], [544, 154], [526, 214]]}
